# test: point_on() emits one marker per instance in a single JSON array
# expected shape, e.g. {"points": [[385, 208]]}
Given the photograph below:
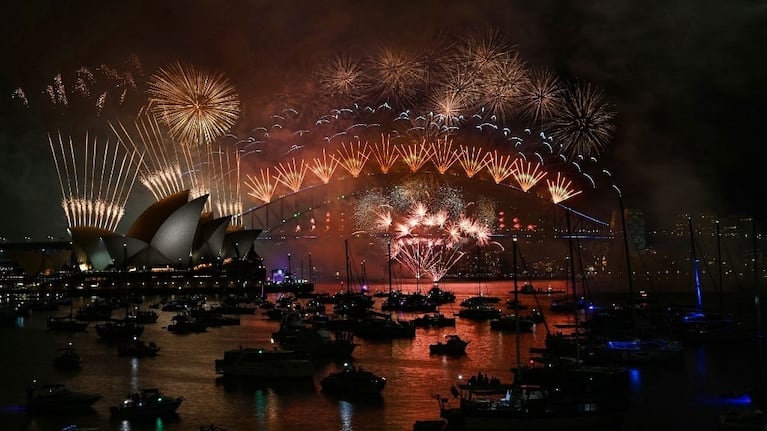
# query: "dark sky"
{"points": [[687, 77]]}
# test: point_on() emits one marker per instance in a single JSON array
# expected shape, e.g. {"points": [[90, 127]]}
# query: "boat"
{"points": [[453, 345], [351, 381], [381, 326], [185, 323], [260, 362], [67, 359], [142, 316], [736, 420], [314, 342], [498, 406], [118, 330], [138, 348], [57, 397], [512, 322], [634, 351], [147, 403], [65, 324], [479, 312], [433, 320]]}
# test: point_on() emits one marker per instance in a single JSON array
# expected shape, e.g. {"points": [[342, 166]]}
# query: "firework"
{"points": [[290, 175], [341, 78], [541, 96], [583, 124], [500, 167], [95, 188], [385, 154], [560, 189], [354, 157], [423, 240], [197, 107], [506, 80], [261, 187], [161, 171], [470, 160], [324, 168], [527, 174], [415, 155], [396, 75], [443, 155]]}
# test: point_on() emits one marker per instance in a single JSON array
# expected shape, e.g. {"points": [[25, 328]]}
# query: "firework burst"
{"points": [[197, 106], [583, 125]]}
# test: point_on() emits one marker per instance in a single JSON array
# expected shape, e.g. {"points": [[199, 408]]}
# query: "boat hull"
{"points": [[601, 421]]}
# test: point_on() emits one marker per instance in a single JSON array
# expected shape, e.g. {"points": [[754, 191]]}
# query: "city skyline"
{"points": [[678, 110]]}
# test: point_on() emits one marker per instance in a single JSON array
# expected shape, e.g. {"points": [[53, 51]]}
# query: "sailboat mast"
{"points": [[629, 275], [719, 265], [695, 269], [516, 307], [572, 280], [348, 274], [389, 263]]}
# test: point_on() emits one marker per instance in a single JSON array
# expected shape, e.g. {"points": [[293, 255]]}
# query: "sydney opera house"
{"points": [[174, 235]]}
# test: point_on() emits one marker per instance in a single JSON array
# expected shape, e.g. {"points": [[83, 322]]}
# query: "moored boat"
{"points": [[147, 403], [433, 320], [453, 345], [353, 381], [67, 359], [526, 408], [264, 363], [512, 322], [58, 397], [66, 324], [138, 348]]}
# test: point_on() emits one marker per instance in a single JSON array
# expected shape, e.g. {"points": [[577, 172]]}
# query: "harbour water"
{"points": [[688, 396]]}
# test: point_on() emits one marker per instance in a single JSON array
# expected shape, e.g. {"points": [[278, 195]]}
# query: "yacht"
{"points": [[264, 363]]}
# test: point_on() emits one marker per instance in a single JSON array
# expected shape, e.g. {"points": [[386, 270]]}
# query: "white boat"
{"points": [[264, 363]]}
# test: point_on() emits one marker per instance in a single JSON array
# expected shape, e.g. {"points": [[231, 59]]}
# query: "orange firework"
{"points": [[470, 160], [560, 189], [443, 155], [324, 168], [290, 175], [262, 187], [385, 154], [499, 166], [354, 157], [527, 174], [198, 107], [415, 155]]}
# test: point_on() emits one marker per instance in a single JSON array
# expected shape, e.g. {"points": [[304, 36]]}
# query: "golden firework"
{"points": [[197, 106]]}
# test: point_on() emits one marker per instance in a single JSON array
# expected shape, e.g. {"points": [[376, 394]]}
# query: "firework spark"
{"points": [[560, 189], [499, 166], [197, 106], [261, 187], [290, 175], [385, 154], [95, 188], [161, 171], [415, 155], [324, 168], [583, 126], [527, 174], [470, 160], [354, 157], [443, 155], [542, 95]]}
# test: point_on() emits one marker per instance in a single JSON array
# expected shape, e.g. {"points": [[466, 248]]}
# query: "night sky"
{"points": [[687, 78]]}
